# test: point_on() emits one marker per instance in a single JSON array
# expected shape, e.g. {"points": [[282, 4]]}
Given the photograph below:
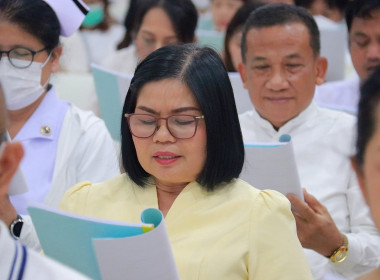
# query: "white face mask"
{"points": [[21, 87]]}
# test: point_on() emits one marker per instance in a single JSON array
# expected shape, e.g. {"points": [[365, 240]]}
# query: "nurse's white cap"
{"points": [[70, 14]]}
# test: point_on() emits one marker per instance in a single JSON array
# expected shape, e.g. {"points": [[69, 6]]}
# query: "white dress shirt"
{"points": [[89, 46], [340, 95], [323, 141]]}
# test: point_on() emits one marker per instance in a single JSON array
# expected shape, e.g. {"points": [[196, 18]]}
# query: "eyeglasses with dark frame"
{"points": [[179, 126], [21, 57]]}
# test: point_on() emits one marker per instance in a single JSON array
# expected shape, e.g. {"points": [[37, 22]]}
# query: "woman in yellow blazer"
{"points": [[182, 151]]}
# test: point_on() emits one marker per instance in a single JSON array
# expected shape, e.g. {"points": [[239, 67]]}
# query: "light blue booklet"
{"points": [[111, 88], [69, 238]]}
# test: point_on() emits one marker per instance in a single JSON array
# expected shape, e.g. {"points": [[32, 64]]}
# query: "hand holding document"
{"points": [[105, 249], [272, 166]]}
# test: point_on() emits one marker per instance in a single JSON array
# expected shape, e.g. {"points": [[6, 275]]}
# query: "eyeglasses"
{"points": [[20, 57], [179, 126]]}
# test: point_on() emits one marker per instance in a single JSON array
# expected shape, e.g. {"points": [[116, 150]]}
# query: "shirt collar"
{"points": [[192, 193], [300, 120], [44, 122]]}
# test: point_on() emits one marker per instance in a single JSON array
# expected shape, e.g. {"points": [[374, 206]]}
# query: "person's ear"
{"points": [[9, 162], [195, 39], [360, 176], [243, 73], [55, 56], [321, 69]]}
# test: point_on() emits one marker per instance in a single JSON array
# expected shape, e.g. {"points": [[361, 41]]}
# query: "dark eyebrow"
{"points": [[148, 110], [263, 59], [360, 34], [153, 35], [185, 109], [175, 111], [259, 59], [293, 56], [17, 46], [147, 32]]}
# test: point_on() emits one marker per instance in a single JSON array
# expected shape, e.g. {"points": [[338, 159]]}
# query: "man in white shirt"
{"points": [[363, 22], [281, 67], [18, 262]]}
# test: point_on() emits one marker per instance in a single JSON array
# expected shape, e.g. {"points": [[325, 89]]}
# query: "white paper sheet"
{"points": [[144, 257], [272, 166], [242, 99]]}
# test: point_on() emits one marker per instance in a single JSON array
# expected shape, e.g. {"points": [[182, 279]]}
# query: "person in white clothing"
{"points": [[17, 261], [151, 25], [99, 31], [281, 66], [63, 144], [363, 23], [331, 9], [339, 95], [98, 35]]}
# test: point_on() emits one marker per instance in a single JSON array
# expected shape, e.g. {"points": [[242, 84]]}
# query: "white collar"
{"points": [[300, 120]]}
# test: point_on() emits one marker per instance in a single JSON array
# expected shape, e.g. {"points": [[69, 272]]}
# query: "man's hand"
{"points": [[315, 228]]}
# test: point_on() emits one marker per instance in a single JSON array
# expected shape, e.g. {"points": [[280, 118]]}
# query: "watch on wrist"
{"points": [[340, 254], [16, 226]]}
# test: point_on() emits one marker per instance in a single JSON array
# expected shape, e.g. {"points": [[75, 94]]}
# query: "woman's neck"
{"points": [[18, 118], [166, 194]]}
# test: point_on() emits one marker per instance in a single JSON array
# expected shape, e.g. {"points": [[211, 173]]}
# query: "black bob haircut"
{"points": [[281, 14], [368, 113], [35, 17], [360, 9], [203, 72]]}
